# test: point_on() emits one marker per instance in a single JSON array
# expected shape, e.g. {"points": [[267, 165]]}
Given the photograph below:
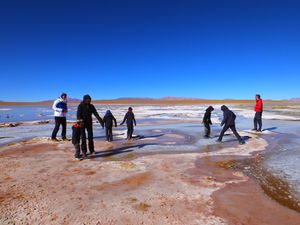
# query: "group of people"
{"points": [[84, 123], [229, 120]]}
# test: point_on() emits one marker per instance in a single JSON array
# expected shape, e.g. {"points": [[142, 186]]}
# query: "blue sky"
{"points": [[212, 49]]}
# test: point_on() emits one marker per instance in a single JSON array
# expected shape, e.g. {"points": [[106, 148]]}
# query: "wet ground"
{"points": [[169, 174]]}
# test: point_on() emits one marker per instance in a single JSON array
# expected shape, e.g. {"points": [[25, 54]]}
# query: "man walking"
{"points": [[229, 122], [84, 113], [60, 110], [258, 114]]}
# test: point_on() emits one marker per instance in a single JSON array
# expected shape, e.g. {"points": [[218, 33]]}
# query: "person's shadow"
{"points": [[244, 138], [144, 137], [134, 137], [270, 129], [120, 150]]}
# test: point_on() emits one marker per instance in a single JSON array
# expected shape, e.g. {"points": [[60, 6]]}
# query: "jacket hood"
{"points": [[86, 97], [224, 108], [210, 108], [108, 113]]}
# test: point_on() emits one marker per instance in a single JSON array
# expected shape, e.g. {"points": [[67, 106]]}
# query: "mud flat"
{"points": [[42, 184]]}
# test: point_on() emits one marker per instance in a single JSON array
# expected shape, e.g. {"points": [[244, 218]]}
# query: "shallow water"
{"points": [[281, 159]]}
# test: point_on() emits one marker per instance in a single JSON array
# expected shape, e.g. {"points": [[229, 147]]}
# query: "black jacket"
{"points": [[108, 120], [85, 111], [129, 118], [207, 115], [76, 134], [228, 117]]}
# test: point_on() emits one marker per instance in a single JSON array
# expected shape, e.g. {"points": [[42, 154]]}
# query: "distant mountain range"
{"points": [[168, 98], [295, 99], [69, 100]]}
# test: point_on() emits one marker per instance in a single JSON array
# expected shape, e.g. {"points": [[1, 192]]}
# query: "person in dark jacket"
{"points": [[207, 121], [76, 136], [84, 113], [130, 120], [108, 120], [258, 114], [229, 122]]}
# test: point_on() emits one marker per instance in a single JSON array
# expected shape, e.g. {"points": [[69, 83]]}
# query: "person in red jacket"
{"points": [[258, 114]]}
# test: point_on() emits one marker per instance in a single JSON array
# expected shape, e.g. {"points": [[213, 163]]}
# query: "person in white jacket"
{"points": [[60, 108]]}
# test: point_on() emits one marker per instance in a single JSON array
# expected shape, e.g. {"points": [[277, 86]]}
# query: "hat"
{"points": [[224, 108]]}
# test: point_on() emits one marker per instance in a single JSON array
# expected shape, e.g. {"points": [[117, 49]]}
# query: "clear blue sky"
{"points": [[212, 49]]}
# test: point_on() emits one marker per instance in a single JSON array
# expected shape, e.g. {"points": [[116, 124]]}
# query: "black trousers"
{"points": [[258, 120], [89, 128], [206, 129], [60, 121], [109, 135], [77, 150], [129, 131], [232, 127]]}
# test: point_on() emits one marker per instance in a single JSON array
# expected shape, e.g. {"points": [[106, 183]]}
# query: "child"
{"points": [[76, 135], [207, 121], [130, 120], [108, 120]]}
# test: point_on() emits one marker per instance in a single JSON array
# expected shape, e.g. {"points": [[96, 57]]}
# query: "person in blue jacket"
{"points": [[60, 108]]}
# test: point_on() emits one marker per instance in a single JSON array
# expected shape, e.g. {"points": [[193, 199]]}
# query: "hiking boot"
{"points": [[259, 131], [206, 136], [78, 159], [254, 129], [54, 139], [219, 141], [65, 139]]}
